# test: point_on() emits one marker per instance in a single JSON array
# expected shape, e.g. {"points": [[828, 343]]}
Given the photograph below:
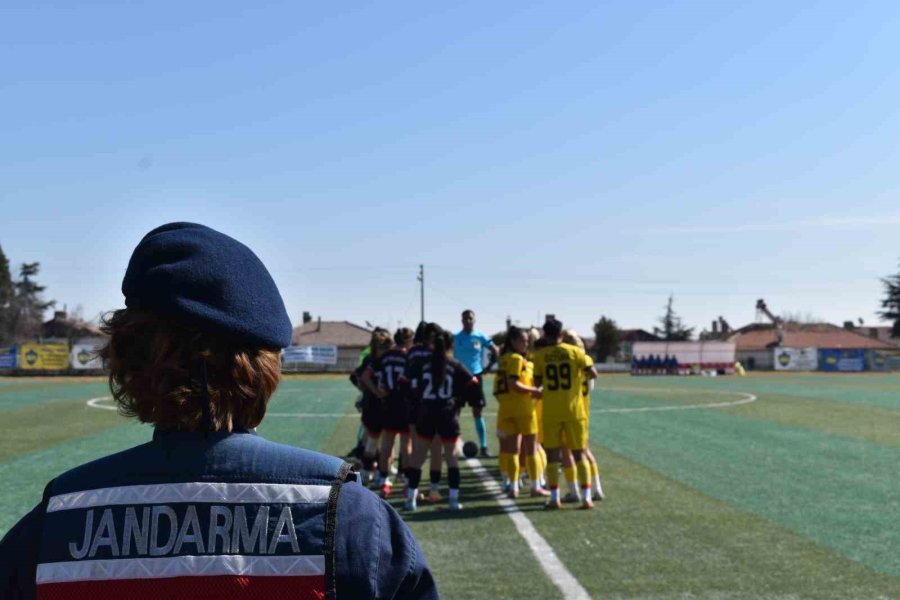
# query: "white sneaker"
{"points": [[409, 505], [455, 505]]}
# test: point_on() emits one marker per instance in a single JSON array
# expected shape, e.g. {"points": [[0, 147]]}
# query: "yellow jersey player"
{"points": [[559, 369], [517, 419], [571, 337]]}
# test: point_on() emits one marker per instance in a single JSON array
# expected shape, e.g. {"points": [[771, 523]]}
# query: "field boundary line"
{"points": [[746, 398], [552, 566]]}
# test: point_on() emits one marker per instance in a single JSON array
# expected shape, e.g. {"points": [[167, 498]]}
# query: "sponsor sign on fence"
{"points": [[796, 359], [310, 355], [8, 357], [884, 361], [44, 357], [85, 356], [842, 360]]}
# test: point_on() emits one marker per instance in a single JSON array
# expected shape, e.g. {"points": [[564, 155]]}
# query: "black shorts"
{"points": [[437, 419], [395, 414], [372, 415], [474, 397]]}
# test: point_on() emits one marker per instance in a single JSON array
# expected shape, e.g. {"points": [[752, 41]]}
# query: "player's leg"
{"points": [[478, 403], [504, 430], [570, 473], [576, 431], [529, 448], [513, 444], [384, 462], [597, 489], [553, 443], [437, 450], [449, 432], [425, 433]]}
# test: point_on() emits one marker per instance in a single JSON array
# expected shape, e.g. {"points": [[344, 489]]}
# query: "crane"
{"points": [[776, 321]]}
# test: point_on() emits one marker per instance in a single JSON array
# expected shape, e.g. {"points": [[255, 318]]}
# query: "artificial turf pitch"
{"points": [[793, 495]]}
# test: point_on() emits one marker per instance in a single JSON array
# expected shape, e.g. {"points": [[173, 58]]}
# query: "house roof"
{"points": [[331, 333], [638, 335], [60, 326], [817, 335]]}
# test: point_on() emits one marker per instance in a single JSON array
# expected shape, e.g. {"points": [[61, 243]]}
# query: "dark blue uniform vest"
{"points": [[189, 515]]}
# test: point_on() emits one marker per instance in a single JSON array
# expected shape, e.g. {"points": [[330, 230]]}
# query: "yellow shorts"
{"points": [[518, 425], [573, 433]]}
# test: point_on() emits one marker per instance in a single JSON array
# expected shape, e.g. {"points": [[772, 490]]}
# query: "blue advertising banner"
{"points": [[845, 361], [8, 357]]}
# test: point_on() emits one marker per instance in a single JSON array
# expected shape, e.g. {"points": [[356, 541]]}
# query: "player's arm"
{"points": [[368, 381], [495, 354], [539, 374]]}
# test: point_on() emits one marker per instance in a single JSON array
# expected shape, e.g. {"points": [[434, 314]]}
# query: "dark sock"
{"points": [[415, 476], [435, 477], [453, 477]]}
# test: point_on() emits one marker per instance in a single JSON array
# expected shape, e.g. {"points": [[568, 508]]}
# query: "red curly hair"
{"points": [[155, 370]]}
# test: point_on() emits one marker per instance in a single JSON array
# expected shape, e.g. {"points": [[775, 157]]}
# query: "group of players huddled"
{"points": [[414, 385]]}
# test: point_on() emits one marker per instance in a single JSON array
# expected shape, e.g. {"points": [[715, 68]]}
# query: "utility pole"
{"points": [[421, 293]]}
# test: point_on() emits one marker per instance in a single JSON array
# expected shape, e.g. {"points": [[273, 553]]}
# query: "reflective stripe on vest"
{"points": [[190, 540]]}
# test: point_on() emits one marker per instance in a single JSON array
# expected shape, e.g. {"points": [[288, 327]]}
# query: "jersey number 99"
{"points": [[559, 377]]}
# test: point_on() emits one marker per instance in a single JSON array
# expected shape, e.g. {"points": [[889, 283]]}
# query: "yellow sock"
{"points": [[504, 462], [542, 459], [595, 472], [584, 473], [553, 475], [569, 472], [514, 468], [531, 464]]}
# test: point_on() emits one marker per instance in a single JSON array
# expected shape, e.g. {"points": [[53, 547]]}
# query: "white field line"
{"points": [[745, 398], [555, 570]]}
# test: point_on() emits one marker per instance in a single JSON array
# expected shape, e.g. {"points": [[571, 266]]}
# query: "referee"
{"points": [[468, 348]]}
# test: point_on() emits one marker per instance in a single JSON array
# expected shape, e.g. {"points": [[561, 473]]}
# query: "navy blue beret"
{"points": [[204, 278]]}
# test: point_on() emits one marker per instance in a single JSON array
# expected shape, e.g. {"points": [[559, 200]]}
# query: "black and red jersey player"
{"points": [[388, 370], [437, 386], [362, 377], [418, 355]]}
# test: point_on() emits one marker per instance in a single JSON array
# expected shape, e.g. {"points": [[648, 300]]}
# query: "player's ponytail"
{"points": [[439, 353]]}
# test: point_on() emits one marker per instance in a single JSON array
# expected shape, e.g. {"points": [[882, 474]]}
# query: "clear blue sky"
{"points": [[580, 158]]}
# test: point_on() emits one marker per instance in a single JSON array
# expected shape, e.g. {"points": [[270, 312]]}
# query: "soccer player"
{"points": [[468, 348], [388, 372], [441, 381], [517, 419], [570, 336], [559, 370], [418, 355], [379, 343]]}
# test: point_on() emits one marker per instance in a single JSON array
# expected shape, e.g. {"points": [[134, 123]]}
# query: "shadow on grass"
{"points": [[478, 501]]}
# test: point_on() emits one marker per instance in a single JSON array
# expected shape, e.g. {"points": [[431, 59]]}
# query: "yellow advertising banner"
{"points": [[46, 357]]}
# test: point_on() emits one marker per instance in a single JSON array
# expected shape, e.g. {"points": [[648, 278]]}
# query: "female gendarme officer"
{"points": [[207, 508]]}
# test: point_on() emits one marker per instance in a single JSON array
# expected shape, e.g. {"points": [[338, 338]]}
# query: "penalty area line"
{"points": [[555, 570]]}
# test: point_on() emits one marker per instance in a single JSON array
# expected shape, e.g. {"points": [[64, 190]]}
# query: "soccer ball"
{"points": [[470, 449]]}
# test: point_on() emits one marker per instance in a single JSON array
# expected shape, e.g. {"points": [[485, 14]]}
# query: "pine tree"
{"points": [[891, 302], [28, 306], [673, 329], [7, 293]]}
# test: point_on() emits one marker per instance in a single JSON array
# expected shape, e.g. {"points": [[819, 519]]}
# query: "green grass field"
{"points": [[795, 494]]}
